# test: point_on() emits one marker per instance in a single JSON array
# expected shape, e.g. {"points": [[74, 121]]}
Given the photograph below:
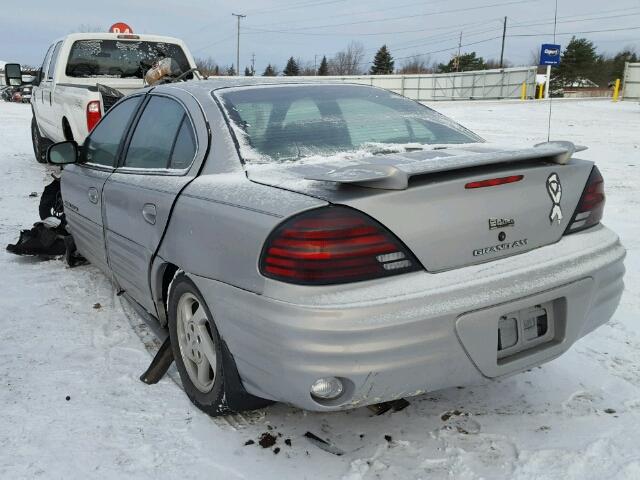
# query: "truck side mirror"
{"points": [[13, 74], [37, 78], [62, 153]]}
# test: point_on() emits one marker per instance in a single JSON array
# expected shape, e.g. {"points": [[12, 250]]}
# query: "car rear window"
{"points": [[291, 122], [120, 58]]}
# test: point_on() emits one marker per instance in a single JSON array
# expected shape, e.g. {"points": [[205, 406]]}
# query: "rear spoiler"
{"points": [[396, 177]]}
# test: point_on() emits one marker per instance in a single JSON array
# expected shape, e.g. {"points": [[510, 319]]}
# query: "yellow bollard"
{"points": [[616, 90], [540, 91], [523, 93]]}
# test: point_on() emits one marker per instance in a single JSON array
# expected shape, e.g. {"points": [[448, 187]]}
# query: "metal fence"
{"points": [[631, 85], [481, 84]]}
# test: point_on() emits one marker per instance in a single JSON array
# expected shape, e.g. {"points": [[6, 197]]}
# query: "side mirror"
{"points": [[13, 74], [62, 153], [37, 78]]}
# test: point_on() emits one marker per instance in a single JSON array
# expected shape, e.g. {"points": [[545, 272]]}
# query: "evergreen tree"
{"points": [[247, 72], [465, 63], [383, 62], [292, 69], [324, 67], [578, 62], [269, 71], [231, 71], [618, 61]]}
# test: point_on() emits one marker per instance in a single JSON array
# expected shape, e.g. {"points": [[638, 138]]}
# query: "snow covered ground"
{"points": [[71, 404]]}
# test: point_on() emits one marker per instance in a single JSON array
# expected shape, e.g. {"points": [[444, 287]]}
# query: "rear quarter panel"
{"points": [[219, 225]]}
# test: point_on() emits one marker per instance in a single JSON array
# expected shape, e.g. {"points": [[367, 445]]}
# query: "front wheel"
{"points": [[40, 143], [197, 347]]}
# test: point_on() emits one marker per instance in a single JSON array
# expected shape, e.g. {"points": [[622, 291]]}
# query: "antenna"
{"points": [[555, 23]]}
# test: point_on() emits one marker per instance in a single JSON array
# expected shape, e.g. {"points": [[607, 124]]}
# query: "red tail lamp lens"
{"points": [[93, 114], [333, 245], [492, 182], [591, 205]]}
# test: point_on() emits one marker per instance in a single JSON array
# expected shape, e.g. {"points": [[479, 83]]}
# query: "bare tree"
{"points": [[306, 67], [416, 64], [348, 61], [207, 66]]}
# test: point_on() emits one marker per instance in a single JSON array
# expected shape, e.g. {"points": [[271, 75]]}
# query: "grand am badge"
{"points": [[478, 252], [554, 189]]}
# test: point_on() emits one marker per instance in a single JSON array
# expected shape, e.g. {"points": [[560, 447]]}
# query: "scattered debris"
{"points": [[384, 407], [362, 435], [388, 438], [543, 428], [33, 194], [97, 306], [609, 410], [288, 442], [276, 450], [447, 415], [67, 398], [324, 445], [267, 440], [249, 442]]}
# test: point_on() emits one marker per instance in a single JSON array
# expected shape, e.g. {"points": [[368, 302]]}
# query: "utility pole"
{"points": [[504, 34], [238, 16], [315, 64], [253, 64], [458, 56]]}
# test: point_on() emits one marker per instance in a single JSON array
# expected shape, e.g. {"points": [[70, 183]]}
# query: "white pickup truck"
{"points": [[69, 95]]}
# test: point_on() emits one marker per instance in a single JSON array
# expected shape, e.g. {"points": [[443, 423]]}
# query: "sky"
{"points": [[274, 30]]}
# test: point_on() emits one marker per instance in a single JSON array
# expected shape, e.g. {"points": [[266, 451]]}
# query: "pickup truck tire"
{"points": [[40, 143]]}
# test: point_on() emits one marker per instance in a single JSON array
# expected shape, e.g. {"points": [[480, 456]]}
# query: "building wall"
{"points": [[631, 85]]}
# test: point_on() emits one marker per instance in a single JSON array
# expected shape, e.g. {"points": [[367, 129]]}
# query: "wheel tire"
{"points": [[40, 144], [187, 349], [51, 201]]}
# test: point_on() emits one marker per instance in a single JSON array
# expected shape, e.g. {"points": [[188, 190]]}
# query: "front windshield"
{"points": [[286, 123], [120, 58]]}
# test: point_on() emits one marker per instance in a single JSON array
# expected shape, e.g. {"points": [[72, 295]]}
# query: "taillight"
{"points": [[591, 205], [333, 245], [93, 114]]}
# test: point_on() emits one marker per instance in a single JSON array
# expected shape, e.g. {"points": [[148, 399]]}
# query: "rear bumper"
{"points": [[413, 333]]}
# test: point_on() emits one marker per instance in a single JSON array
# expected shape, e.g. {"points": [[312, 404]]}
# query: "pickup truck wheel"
{"points": [[197, 347], [40, 144]]}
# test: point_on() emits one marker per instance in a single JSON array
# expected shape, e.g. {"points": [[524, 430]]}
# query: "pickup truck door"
{"points": [[45, 98], [83, 182], [161, 157]]}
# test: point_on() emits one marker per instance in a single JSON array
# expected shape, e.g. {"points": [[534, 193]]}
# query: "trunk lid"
{"points": [[422, 197]]}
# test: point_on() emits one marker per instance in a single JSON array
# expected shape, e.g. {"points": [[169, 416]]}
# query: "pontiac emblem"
{"points": [[554, 189], [501, 223]]}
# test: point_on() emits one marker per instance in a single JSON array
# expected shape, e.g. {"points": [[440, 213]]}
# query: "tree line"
{"points": [[579, 61]]}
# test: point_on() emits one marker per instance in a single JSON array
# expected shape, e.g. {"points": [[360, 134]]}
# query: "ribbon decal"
{"points": [[554, 189]]}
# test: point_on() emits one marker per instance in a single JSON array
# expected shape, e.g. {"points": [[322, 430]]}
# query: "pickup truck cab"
{"points": [[66, 100]]}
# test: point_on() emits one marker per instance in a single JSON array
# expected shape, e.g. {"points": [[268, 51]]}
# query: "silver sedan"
{"points": [[332, 245]]}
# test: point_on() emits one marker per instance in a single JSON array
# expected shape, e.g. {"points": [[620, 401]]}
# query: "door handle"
{"points": [[149, 213], [93, 195]]}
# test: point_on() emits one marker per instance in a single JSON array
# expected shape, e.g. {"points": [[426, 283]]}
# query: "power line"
{"points": [[440, 12], [294, 6]]}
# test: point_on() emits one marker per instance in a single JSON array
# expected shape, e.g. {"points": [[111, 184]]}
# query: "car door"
{"points": [[37, 99], [138, 197], [83, 182], [46, 108]]}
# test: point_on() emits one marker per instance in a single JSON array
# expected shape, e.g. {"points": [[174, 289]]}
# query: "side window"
{"points": [[184, 148], [45, 62], [101, 147], [54, 60], [156, 135]]}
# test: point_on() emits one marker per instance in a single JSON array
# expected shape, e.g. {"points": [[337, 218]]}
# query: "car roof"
{"points": [[205, 87]]}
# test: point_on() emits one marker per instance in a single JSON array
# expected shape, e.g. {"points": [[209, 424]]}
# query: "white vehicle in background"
{"points": [[84, 74]]}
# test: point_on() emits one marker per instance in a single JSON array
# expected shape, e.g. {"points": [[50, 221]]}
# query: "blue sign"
{"points": [[550, 54]]}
